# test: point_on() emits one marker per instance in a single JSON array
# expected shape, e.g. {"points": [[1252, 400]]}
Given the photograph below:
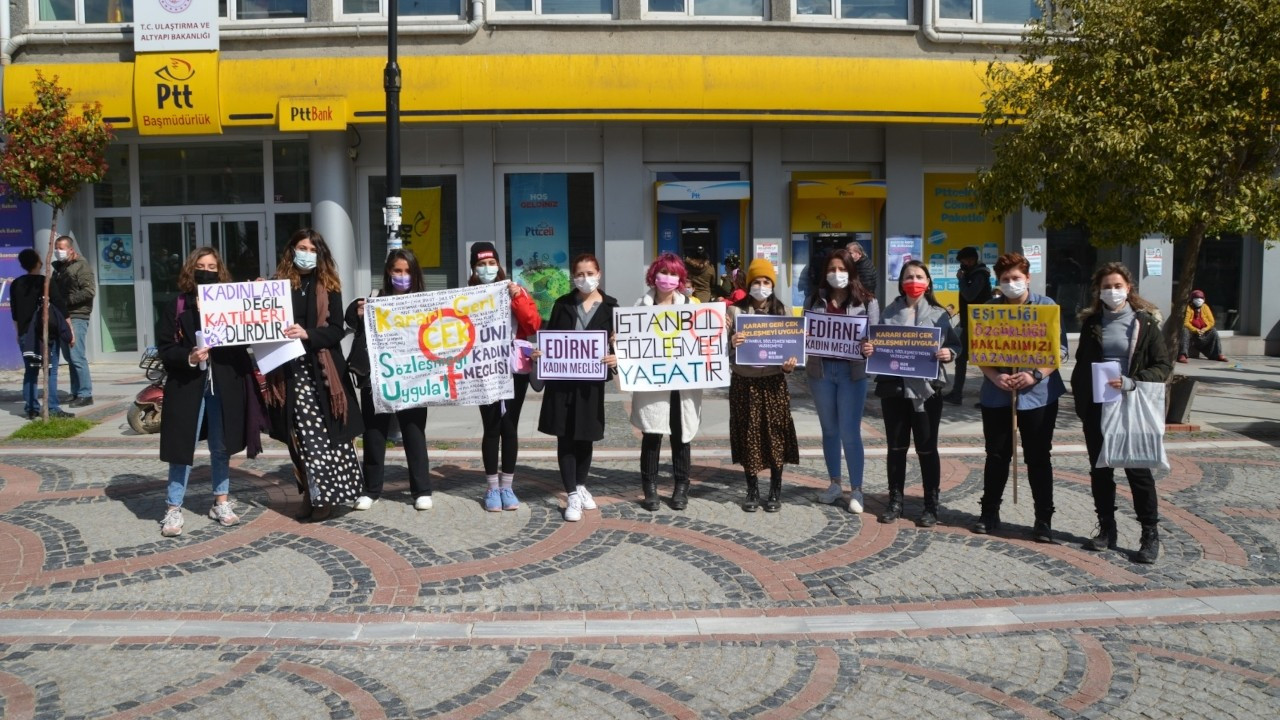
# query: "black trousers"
{"points": [[1103, 480], [651, 447], [901, 423], [574, 458], [962, 360], [502, 428], [1036, 428], [413, 425]]}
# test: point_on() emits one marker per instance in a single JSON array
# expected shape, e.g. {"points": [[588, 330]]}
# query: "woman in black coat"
{"points": [[573, 411], [205, 394], [314, 408]]}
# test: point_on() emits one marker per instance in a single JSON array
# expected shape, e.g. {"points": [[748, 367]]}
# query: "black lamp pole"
{"points": [[392, 212]]}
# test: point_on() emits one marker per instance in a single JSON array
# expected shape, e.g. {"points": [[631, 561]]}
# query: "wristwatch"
{"points": [[1037, 375]]}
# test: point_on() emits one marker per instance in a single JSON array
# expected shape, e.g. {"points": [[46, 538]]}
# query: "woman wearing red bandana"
{"points": [[913, 406]]}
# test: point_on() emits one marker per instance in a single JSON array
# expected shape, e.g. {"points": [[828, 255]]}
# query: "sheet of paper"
{"points": [[1103, 373], [201, 344], [272, 355]]}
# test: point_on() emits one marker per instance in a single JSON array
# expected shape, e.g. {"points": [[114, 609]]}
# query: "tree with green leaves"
{"points": [[1142, 117], [49, 153]]}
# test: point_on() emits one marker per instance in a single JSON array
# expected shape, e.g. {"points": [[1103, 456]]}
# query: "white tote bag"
{"points": [[1133, 429]]}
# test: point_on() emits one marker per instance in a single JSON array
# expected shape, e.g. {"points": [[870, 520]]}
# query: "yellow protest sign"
{"points": [[422, 214], [1016, 336]]}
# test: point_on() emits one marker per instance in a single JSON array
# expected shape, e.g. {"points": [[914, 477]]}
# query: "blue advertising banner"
{"points": [[538, 225], [769, 340], [904, 351], [16, 230]]}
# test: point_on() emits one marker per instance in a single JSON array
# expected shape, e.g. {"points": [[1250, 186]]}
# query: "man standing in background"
{"points": [[78, 285], [975, 289], [867, 273]]}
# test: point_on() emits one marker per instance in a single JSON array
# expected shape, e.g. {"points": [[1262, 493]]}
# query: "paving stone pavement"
{"points": [[812, 612]]}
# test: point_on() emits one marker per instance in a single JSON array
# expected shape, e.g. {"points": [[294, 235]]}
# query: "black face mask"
{"points": [[206, 277]]}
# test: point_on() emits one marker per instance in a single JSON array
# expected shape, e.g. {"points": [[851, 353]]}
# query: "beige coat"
{"points": [[651, 411]]}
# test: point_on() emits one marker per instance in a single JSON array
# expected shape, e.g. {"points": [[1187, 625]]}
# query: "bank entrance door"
{"points": [[240, 239]]}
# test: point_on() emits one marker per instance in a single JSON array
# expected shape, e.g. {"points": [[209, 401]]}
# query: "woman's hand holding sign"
{"points": [[295, 332]]}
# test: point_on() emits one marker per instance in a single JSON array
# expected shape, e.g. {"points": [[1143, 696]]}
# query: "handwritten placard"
{"points": [[1015, 336], [678, 347], [245, 313]]}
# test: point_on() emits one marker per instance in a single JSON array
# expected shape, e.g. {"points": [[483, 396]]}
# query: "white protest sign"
{"points": [[444, 347], [834, 336], [674, 347], [572, 354], [245, 313]]}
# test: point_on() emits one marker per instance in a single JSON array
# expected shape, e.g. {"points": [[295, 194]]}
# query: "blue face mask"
{"points": [[304, 260], [487, 273]]}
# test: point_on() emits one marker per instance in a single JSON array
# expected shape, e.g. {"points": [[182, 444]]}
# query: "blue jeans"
{"points": [[839, 400], [219, 460], [31, 384], [81, 384]]}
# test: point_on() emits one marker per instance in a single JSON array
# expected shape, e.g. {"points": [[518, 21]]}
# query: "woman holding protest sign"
{"points": [[677, 413], [573, 411], [1037, 391], [1122, 328], [839, 386], [208, 392], [762, 433], [401, 274], [502, 419], [913, 406], [313, 402]]}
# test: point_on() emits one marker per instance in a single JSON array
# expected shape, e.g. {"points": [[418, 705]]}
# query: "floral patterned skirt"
{"points": [[762, 434]]}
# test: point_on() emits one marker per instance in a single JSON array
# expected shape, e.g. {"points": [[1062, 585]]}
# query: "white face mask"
{"points": [[62, 255], [487, 273], [1015, 289], [304, 260], [838, 280], [587, 284], [1198, 302], [1113, 297], [761, 293]]}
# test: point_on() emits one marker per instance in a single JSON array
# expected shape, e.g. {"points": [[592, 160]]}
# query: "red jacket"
{"points": [[525, 312]]}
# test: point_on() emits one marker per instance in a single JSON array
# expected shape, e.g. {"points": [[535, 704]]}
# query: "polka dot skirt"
{"points": [[332, 469]]}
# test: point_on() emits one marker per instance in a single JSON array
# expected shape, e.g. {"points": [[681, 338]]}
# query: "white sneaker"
{"points": [[171, 526], [223, 513], [832, 494], [422, 503], [364, 502], [588, 502], [855, 502], [573, 513]]}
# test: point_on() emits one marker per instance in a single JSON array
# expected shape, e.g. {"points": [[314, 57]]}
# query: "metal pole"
{"points": [[391, 212]]}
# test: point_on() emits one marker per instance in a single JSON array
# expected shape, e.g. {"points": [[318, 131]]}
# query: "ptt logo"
{"points": [[540, 230], [826, 224], [175, 87], [311, 114]]}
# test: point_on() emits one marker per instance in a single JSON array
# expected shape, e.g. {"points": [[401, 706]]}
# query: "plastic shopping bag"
{"points": [[1133, 429]]}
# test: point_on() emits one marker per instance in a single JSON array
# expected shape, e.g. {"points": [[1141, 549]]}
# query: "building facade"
{"points": [[757, 128]]}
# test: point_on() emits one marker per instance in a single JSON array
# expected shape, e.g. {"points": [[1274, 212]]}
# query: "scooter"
{"points": [[144, 414]]}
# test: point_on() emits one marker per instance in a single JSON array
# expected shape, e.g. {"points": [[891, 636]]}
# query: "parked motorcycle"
{"points": [[144, 414]]}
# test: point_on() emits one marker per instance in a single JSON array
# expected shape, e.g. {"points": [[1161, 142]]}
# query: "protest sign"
{"points": [[1015, 336], [444, 347], [769, 340], [572, 354], [834, 336], [904, 351], [245, 313], [676, 347]]}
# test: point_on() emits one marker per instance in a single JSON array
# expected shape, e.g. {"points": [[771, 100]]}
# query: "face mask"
{"points": [[62, 255], [587, 284], [401, 282], [666, 283], [205, 277], [761, 293], [914, 288], [304, 260], [1198, 302], [838, 280], [487, 273], [1113, 297], [1014, 289]]}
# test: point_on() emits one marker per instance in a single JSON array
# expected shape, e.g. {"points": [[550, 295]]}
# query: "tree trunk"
{"points": [[44, 318], [1186, 282]]}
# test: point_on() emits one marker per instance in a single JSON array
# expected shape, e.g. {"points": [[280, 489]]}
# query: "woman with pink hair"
{"points": [[661, 412]]}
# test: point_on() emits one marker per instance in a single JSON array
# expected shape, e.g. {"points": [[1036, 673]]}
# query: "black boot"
{"points": [[1106, 537], [650, 501], [1042, 531], [989, 522], [893, 510], [1150, 547], [929, 517], [753, 494], [680, 495], [773, 503]]}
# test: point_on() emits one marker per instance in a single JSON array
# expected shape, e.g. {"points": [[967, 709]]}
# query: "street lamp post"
{"points": [[392, 211]]}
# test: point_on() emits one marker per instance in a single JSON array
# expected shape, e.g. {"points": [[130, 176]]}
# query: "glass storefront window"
{"points": [[94, 12], [292, 176], [431, 209], [408, 8], [113, 190], [265, 9], [115, 256], [1002, 12], [226, 173], [1069, 264], [550, 219], [286, 224], [1218, 274]]}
